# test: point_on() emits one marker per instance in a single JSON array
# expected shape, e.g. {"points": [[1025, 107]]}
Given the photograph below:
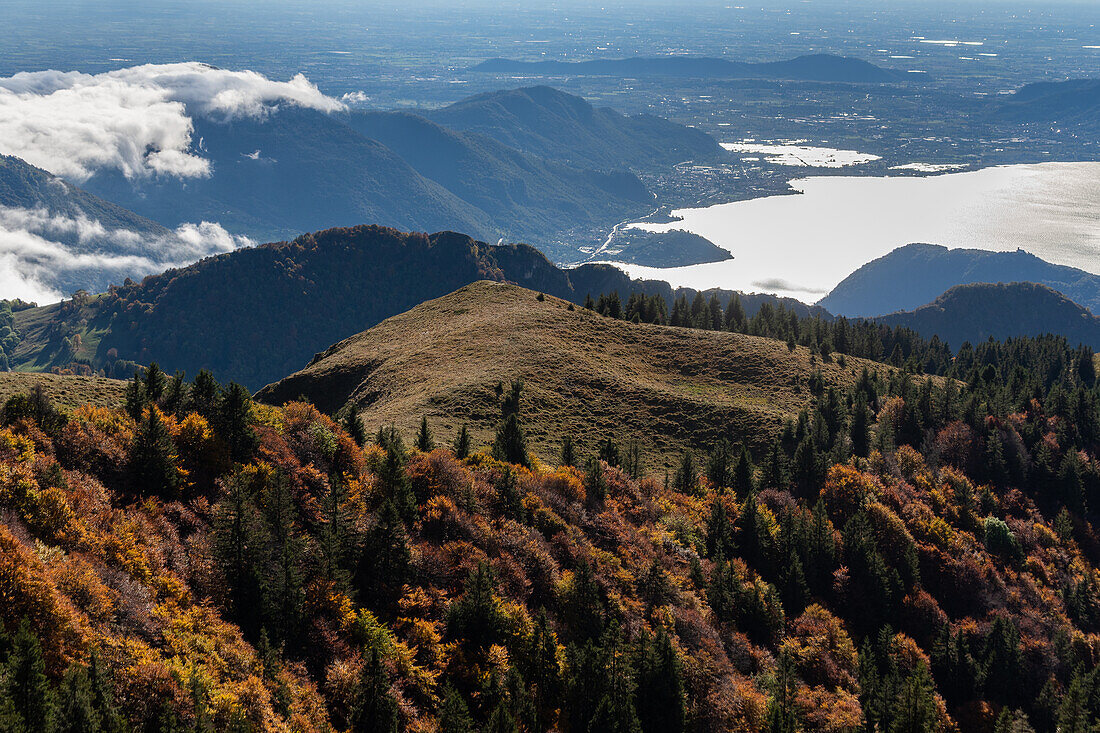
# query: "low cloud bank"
{"points": [[34, 261], [137, 120]]}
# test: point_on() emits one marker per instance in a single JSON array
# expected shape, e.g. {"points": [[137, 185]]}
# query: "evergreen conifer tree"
{"points": [[568, 452], [424, 441], [152, 460], [659, 698], [32, 700], [742, 472], [235, 422], [510, 444], [155, 382], [462, 443], [686, 480]]}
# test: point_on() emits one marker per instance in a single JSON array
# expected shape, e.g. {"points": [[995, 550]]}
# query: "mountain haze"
{"points": [[814, 67], [565, 128]]}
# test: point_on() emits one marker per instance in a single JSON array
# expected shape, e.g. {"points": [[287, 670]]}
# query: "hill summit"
{"points": [[584, 375]]}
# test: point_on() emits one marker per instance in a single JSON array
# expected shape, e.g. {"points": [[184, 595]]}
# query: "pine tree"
{"points": [[719, 531], [76, 711], [654, 587], [509, 404], [915, 710], [1002, 662], [509, 500], [775, 474], [374, 708], [609, 453], [462, 443], [235, 422], [103, 697], [807, 470], [393, 482], [476, 620], [284, 589], [781, 713], [659, 698], [735, 314], [352, 422], [718, 464], [26, 684], [175, 396], [424, 441], [1073, 713], [239, 544], [539, 664], [860, 431], [454, 714], [203, 396], [595, 483], [135, 397], [632, 464], [335, 540], [742, 472], [510, 444], [568, 452], [155, 382], [152, 460], [584, 606], [686, 480], [586, 679]]}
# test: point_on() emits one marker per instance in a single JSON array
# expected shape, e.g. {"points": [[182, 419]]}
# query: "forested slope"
{"points": [[906, 554]]}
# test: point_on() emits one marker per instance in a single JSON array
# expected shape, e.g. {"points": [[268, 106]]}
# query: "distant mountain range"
{"points": [[977, 312], [526, 195], [916, 274], [521, 165], [256, 314], [480, 166], [814, 67], [1067, 102], [566, 129]]}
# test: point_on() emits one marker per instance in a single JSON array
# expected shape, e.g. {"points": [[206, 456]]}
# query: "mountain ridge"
{"points": [[669, 387], [280, 303], [916, 274], [565, 128], [976, 312], [811, 67]]}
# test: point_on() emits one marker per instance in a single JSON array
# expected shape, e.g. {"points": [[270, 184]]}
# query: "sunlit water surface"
{"points": [[803, 245]]}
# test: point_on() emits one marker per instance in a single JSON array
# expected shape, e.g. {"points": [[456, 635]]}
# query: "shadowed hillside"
{"points": [[567, 129], [257, 314], [584, 375], [977, 312]]}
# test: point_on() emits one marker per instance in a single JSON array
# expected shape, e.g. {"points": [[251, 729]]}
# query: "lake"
{"points": [[802, 245]]}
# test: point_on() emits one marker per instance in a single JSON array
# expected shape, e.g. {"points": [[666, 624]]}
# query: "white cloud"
{"points": [[16, 282], [33, 262], [359, 97], [202, 239], [137, 120]]}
